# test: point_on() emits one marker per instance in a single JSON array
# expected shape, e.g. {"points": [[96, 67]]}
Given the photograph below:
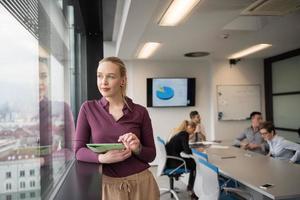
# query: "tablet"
{"points": [[104, 147]]}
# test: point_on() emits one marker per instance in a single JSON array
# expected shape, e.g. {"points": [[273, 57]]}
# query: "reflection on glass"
{"points": [[285, 75], [36, 122], [286, 111]]}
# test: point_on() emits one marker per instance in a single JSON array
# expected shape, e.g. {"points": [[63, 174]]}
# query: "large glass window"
{"points": [[284, 97], [36, 121]]}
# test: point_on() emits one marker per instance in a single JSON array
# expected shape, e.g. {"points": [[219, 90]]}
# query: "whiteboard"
{"points": [[236, 102]]}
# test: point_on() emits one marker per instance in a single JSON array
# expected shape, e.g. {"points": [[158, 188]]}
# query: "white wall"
{"points": [[165, 119], [109, 49], [245, 72]]}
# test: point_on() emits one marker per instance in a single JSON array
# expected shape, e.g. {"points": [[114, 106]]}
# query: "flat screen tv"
{"points": [[171, 92]]}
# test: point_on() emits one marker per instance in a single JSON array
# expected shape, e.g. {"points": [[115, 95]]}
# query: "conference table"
{"points": [[253, 170]]}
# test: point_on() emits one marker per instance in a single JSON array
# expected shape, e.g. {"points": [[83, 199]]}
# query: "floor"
{"points": [[163, 181]]}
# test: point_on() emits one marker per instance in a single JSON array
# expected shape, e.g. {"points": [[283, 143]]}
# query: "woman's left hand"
{"points": [[131, 141]]}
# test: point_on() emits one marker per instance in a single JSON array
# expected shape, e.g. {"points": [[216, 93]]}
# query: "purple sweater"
{"points": [[96, 125]]}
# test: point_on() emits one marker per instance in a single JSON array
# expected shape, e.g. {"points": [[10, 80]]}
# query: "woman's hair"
{"points": [[268, 126], [117, 61], [182, 127]]}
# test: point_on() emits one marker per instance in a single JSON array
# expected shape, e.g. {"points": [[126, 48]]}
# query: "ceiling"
{"points": [[203, 30]]}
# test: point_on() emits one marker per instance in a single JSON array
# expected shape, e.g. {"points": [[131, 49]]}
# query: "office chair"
{"points": [[172, 173], [207, 185], [225, 181]]}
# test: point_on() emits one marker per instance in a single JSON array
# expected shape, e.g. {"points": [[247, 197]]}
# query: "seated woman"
{"points": [[280, 148], [179, 142]]}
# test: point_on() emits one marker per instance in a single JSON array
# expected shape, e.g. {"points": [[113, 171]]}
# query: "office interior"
{"points": [[49, 55]]}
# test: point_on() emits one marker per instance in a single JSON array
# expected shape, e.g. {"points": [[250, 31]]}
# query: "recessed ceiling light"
{"points": [[177, 11], [148, 49], [249, 50], [196, 54]]}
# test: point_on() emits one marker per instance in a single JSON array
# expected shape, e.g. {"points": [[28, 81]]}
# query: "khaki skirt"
{"points": [[140, 186]]}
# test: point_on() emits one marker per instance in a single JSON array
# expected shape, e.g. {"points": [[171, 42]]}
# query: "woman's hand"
{"points": [[131, 141], [114, 156]]}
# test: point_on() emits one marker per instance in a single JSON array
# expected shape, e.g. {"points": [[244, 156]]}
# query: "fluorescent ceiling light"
{"points": [[178, 10], [249, 50], [148, 49]]}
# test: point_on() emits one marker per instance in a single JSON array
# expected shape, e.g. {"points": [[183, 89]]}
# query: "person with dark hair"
{"points": [[250, 138], [179, 142], [193, 113], [254, 113], [200, 134], [280, 148]]}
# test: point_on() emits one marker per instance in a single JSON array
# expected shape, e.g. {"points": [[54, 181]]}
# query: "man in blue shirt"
{"points": [[250, 138]]}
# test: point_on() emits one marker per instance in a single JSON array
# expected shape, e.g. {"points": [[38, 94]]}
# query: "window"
{"points": [[31, 172], [22, 184], [283, 93], [8, 197], [22, 173], [8, 186], [36, 68], [32, 183], [32, 194], [8, 175], [22, 196]]}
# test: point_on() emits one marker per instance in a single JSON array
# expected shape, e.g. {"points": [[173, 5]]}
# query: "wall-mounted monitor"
{"points": [[171, 92]]}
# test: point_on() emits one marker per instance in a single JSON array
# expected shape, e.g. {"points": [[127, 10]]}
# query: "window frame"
{"points": [[269, 87]]}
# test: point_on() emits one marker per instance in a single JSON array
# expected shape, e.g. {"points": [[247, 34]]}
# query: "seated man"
{"points": [[200, 131], [250, 138]]}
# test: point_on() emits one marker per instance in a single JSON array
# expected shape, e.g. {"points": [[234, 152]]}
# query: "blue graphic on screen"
{"points": [[165, 93], [169, 92]]}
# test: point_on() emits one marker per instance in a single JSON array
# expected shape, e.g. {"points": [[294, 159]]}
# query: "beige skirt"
{"points": [[140, 186]]}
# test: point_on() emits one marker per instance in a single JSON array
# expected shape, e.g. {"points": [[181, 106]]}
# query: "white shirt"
{"points": [[283, 149], [200, 131]]}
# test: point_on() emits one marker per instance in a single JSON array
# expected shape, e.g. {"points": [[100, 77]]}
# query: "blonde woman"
{"points": [[179, 142], [115, 118]]}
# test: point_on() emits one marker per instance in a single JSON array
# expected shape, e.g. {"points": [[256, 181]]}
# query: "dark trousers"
{"points": [[190, 165]]}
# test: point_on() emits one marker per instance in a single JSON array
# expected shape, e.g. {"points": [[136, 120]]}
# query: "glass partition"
{"points": [[36, 121]]}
